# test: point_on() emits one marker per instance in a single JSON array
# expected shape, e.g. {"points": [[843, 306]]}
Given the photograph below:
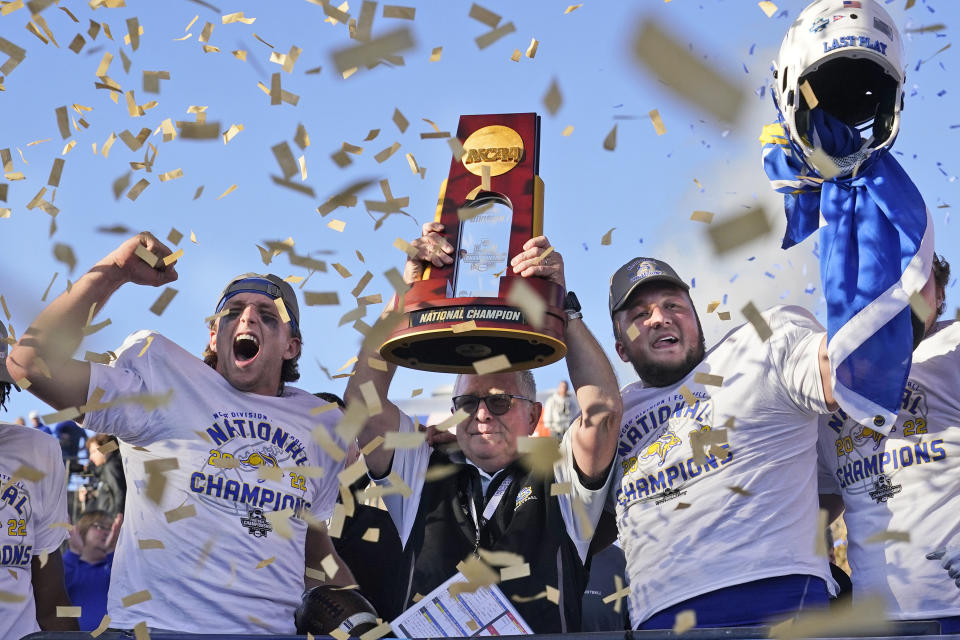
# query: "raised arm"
{"points": [[594, 436], [431, 248], [44, 354]]}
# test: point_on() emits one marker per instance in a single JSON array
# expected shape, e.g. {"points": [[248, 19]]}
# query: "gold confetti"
{"points": [[920, 307], [68, 612], [889, 536], [684, 72], [484, 16], [369, 53], [231, 18], [145, 544], [136, 598], [137, 189], [230, 190], [552, 99], [610, 142], [658, 125], [436, 54], [337, 225], [492, 364], [492, 36], [807, 91], [769, 8], [702, 216], [514, 572], [396, 11], [532, 49], [571, 8], [688, 396], [607, 237], [180, 513], [103, 626], [755, 318], [865, 617], [140, 631], [316, 298], [708, 379], [736, 231], [684, 621], [723, 315], [526, 298]]}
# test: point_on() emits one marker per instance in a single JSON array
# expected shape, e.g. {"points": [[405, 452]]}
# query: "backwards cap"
{"points": [[268, 285]]}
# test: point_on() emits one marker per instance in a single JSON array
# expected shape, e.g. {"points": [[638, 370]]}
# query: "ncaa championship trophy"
{"points": [[488, 224]]}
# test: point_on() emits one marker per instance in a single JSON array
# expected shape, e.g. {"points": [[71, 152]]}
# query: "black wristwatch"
{"points": [[572, 306]]}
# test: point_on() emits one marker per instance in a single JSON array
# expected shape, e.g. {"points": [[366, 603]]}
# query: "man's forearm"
{"points": [[594, 439], [56, 333]]}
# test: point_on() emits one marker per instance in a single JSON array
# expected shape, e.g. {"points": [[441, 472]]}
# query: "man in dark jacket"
{"points": [[106, 468]]}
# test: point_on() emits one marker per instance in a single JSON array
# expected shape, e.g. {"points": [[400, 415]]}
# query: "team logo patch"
{"points": [[256, 460], [863, 434], [257, 525], [646, 270], [883, 489], [661, 447], [819, 25], [524, 495]]}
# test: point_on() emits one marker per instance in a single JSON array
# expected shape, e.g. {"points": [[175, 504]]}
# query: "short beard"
{"points": [[659, 375]]}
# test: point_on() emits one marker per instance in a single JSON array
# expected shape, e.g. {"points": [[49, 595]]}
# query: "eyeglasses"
{"points": [[497, 403]]}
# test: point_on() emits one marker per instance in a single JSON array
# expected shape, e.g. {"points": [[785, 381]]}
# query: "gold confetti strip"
{"points": [[524, 297], [552, 99], [889, 536], [769, 8], [316, 298], [492, 364], [920, 306], [702, 216], [397, 11], [369, 53], [610, 142], [68, 612], [657, 121], [384, 155], [136, 598], [180, 513], [229, 190], [684, 621], [571, 8], [398, 440], [684, 72], [490, 37], [7, 596], [436, 54], [688, 396], [338, 225], [755, 318], [807, 91], [607, 237], [171, 175], [514, 572], [532, 49], [516, 55], [865, 617], [708, 379], [103, 626], [723, 315], [484, 16], [231, 18], [736, 231]]}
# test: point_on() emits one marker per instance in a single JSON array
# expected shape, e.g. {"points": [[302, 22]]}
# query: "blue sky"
{"points": [[645, 190]]}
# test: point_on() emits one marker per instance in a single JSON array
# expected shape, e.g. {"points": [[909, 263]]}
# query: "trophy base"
{"points": [[442, 350]]}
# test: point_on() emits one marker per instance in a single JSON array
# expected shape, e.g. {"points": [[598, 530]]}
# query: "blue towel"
{"points": [[876, 248]]}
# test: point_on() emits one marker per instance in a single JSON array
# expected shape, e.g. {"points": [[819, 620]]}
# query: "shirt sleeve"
{"points": [[796, 354], [128, 375], [826, 481], [51, 520], [581, 508]]}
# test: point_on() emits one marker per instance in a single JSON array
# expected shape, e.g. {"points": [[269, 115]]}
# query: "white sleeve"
{"points": [[411, 466], [54, 510], [581, 508], [127, 376], [796, 355], [826, 451]]}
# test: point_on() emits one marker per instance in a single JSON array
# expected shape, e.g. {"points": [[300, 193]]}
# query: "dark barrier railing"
{"points": [[893, 630]]}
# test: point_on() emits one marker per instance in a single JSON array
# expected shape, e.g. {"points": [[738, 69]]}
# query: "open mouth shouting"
{"points": [[665, 341], [245, 348]]}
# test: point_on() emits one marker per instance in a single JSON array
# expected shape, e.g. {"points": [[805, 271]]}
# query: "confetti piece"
{"points": [[610, 142], [484, 16], [64, 253], [607, 237], [68, 612], [560, 489], [180, 513], [136, 598], [708, 379], [316, 298], [920, 307], [369, 53], [514, 572], [702, 216], [532, 49], [552, 99], [490, 37], [755, 318], [658, 125], [866, 617], [632, 332], [768, 8], [492, 364], [7, 596], [683, 72], [386, 153], [231, 18], [808, 94], [723, 315], [688, 396], [103, 626], [230, 190], [146, 346], [889, 536], [571, 8], [436, 54], [684, 621], [146, 543], [738, 230]]}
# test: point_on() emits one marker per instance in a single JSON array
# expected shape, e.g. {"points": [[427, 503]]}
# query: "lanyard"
{"points": [[488, 510]]}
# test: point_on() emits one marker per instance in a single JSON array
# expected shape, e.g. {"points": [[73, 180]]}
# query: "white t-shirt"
{"points": [[411, 465], [205, 578], [28, 511], [684, 531], [907, 482]]}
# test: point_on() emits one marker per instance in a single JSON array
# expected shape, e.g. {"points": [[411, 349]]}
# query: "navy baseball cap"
{"points": [[268, 285], [636, 272]]}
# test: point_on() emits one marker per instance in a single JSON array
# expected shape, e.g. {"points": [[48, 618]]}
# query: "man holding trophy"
{"points": [[487, 496]]}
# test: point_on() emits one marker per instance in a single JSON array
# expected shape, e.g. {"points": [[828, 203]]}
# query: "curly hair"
{"points": [[941, 277], [5, 390]]}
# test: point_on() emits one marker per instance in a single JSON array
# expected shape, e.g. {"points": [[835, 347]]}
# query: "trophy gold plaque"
{"points": [[490, 204]]}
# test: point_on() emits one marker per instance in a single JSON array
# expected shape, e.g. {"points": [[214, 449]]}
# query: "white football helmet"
{"points": [[851, 54]]}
